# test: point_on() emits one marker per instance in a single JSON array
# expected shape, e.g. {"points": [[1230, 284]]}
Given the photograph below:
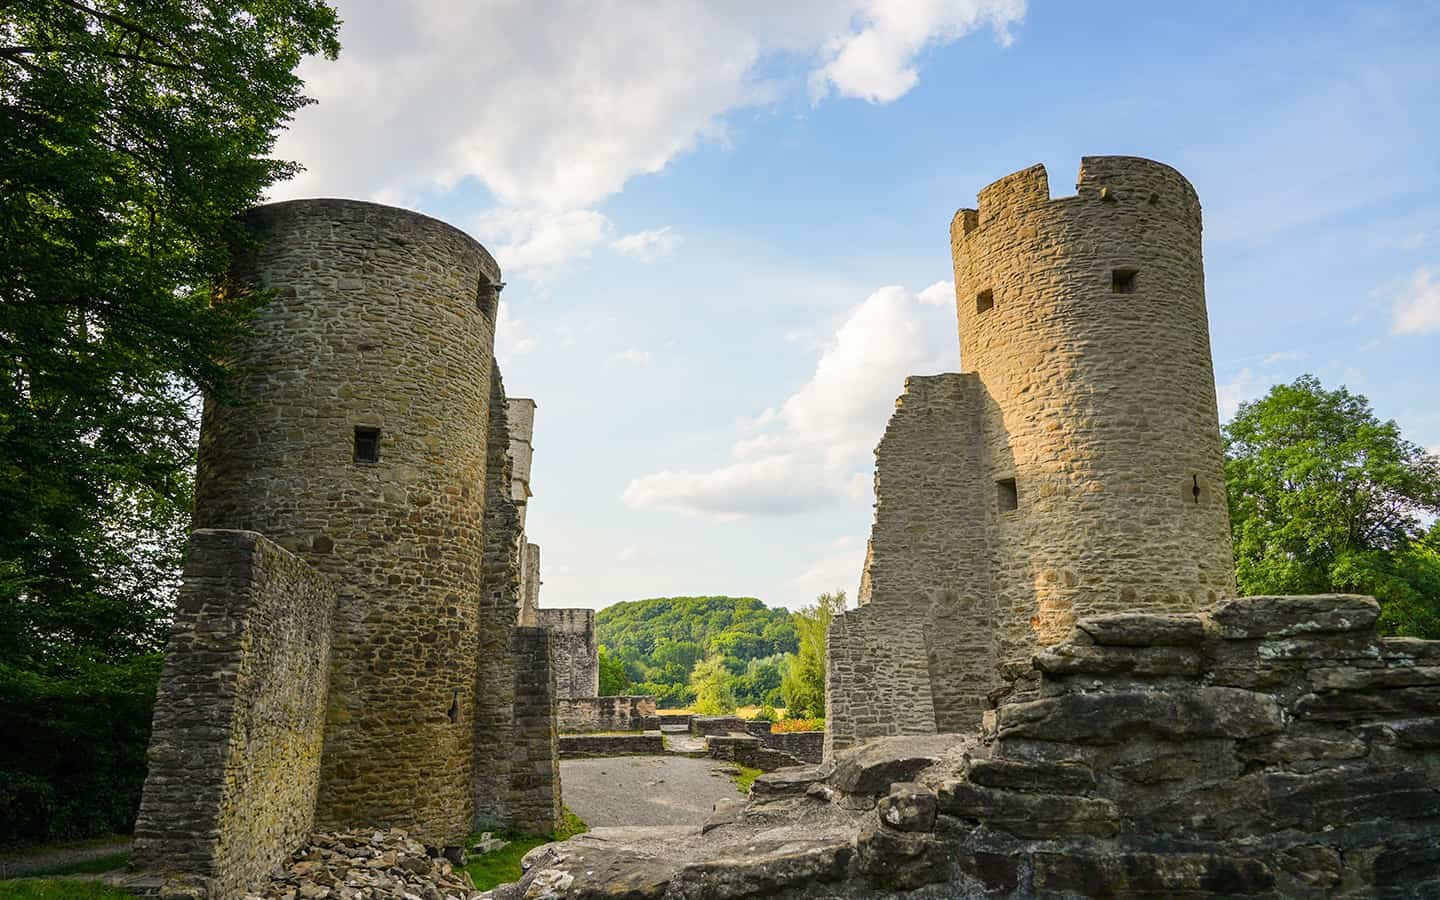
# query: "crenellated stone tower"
{"points": [[1073, 468]]}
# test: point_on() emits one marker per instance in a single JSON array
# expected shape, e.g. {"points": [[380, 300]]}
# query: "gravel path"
{"points": [[644, 790]]}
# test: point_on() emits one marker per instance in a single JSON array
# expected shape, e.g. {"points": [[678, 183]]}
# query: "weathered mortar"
{"points": [[1088, 399], [534, 802], [577, 660], [234, 758], [382, 319]]}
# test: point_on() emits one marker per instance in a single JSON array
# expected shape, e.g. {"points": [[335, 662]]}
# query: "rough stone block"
{"points": [[1143, 630], [1029, 814], [1063, 778], [873, 767], [1110, 718], [1089, 659], [1150, 874], [1253, 617], [908, 807]]}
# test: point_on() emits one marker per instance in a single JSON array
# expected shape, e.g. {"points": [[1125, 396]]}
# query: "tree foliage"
{"points": [[613, 680], [803, 684], [713, 685], [1326, 497], [660, 642], [131, 136]]}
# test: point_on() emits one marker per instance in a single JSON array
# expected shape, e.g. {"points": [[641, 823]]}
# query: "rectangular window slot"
{"points": [[1122, 281], [1006, 495], [984, 301], [367, 444]]}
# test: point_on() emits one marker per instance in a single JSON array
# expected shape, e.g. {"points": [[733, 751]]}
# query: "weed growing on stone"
{"points": [[745, 778], [503, 866]]}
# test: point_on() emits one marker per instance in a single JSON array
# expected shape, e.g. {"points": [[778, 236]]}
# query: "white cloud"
{"points": [[940, 293], [1284, 356], [1229, 395], [815, 447], [631, 357], [538, 240], [836, 571], [1417, 308], [558, 110], [511, 338], [647, 245], [879, 61]]}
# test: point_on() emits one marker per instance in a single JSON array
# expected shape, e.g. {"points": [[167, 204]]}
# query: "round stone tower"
{"points": [[359, 442], [1084, 319]]}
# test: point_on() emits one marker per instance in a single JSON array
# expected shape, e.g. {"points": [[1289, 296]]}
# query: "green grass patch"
{"points": [[61, 890], [503, 866], [745, 778]]}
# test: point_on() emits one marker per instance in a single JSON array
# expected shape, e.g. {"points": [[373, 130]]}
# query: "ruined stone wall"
{"points": [[530, 586], [234, 758], [534, 802], [382, 324], [499, 609], [615, 713], [919, 653], [1084, 319], [577, 657]]}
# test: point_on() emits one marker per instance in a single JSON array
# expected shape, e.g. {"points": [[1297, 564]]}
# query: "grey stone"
{"points": [[1113, 717], [873, 767], [1029, 814], [908, 807], [1143, 630], [1253, 617]]}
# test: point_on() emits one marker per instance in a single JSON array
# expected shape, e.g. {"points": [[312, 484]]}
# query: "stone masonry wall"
{"points": [[534, 802], [577, 657], [382, 319], [926, 613], [1094, 354], [239, 717], [530, 587], [615, 713], [499, 609]]}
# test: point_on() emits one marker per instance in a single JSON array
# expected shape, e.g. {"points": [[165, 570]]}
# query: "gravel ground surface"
{"points": [[644, 790], [17, 863]]}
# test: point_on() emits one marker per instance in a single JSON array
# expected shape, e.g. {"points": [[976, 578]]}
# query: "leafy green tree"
{"points": [[1326, 497], [713, 683], [803, 683], [613, 680], [131, 136]]}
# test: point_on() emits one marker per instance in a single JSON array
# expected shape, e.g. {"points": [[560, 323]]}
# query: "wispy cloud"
{"points": [[1283, 356], [815, 447], [647, 246], [1417, 306]]}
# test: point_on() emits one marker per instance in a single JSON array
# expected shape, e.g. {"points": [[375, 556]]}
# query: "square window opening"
{"points": [[1122, 281], [984, 301], [1006, 495], [367, 444]]}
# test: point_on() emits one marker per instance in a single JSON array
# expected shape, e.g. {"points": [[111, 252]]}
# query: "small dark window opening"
{"points": [[487, 298], [454, 712], [1122, 281], [1195, 487], [367, 444], [1006, 495], [984, 301]]}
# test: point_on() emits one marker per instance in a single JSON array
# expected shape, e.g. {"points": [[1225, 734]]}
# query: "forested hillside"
{"points": [[659, 641]]}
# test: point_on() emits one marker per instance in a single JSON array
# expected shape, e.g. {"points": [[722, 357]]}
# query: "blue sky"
{"points": [[724, 227]]}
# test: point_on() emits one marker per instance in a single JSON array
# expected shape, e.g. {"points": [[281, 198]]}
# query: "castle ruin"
{"points": [[347, 651], [1073, 468]]}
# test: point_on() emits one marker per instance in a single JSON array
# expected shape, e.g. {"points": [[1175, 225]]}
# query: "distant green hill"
{"points": [[659, 641]]}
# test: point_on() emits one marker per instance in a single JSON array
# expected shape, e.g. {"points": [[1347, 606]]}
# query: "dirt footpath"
{"points": [[644, 790]]}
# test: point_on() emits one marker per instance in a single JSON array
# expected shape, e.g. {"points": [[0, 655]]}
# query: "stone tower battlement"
{"points": [[1073, 468]]}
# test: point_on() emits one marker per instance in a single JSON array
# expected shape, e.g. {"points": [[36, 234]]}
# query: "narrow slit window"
{"points": [[1122, 281], [367, 444], [984, 301], [1006, 495]]}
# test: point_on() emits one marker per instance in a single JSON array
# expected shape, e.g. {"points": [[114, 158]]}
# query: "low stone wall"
{"points": [[748, 750], [239, 717], [634, 744], [617, 713], [534, 793], [807, 746], [704, 726], [668, 718]]}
